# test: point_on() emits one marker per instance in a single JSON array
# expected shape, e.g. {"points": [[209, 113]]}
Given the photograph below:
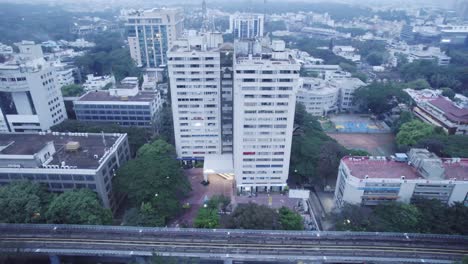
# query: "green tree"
{"points": [[404, 117], [23, 202], [166, 125], [446, 145], [354, 218], [329, 160], [78, 207], [397, 217], [309, 141], [419, 84], [206, 218], [72, 90], [448, 93], [154, 176], [361, 76], [146, 215], [410, 133], [290, 220], [375, 58], [219, 202], [379, 97], [253, 216]]}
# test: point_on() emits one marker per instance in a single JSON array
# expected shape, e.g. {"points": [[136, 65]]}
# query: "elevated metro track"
{"points": [[322, 247]]}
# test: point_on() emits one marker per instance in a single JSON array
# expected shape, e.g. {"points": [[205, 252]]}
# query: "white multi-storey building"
{"points": [[420, 174], [64, 74], [151, 33], [333, 94], [318, 96], [124, 104], [30, 96], [266, 80], [246, 25], [347, 88], [98, 82], [194, 67], [65, 161]]}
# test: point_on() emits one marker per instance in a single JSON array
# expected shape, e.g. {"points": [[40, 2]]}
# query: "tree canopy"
{"points": [[78, 207], [253, 216], [23, 202], [72, 90], [379, 97], [154, 177], [421, 216], [109, 56], [315, 156], [290, 220], [411, 132]]}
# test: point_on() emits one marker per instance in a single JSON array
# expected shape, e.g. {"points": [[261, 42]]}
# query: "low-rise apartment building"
{"points": [[64, 161], [431, 107], [420, 174], [124, 105], [94, 83], [333, 94]]}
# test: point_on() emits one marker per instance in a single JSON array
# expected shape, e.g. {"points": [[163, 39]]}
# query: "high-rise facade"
{"points": [[151, 33], [30, 95], [266, 80], [246, 25], [194, 66]]}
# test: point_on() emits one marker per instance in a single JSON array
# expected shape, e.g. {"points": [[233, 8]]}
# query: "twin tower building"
{"points": [[232, 103]]}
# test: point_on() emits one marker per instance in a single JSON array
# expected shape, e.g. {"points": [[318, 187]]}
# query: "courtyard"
{"points": [[222, 186]]}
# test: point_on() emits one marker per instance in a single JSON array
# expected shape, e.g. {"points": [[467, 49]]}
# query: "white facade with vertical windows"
{"points": [[246, 25], [266, 80], [420, 174], [194, 68], [151, 33], [30, 96]]}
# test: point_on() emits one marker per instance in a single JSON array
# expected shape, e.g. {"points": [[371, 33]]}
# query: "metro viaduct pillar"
{"points": [[54, 259]]}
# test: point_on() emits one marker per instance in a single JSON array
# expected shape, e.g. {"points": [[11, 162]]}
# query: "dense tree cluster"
{"points": [[34, 22], [153, 183], [254, 216], [454, 76], [28, 202], [411, 132], [421, 216], [72, 90], [379, 98], [208, 216], [315, 156], [109, 56], [414, 133]]}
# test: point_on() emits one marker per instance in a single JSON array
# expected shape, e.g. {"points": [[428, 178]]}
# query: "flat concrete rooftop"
{"points": [[83, 158], [97, 96], [361, 167]]}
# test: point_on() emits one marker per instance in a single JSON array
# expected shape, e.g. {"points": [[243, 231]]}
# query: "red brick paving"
{"points": [[217, 186]]}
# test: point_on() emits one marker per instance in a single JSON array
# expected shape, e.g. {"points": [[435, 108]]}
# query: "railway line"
{"points": [[43, 239]]}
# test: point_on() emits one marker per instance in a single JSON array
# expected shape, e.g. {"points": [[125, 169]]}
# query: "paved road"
{"points": [[235, 244]]}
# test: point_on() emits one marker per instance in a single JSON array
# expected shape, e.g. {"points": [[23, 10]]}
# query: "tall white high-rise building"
{"points": [[246, 25], [30, 95], [194, 67], [266, 80], [151, 33]]}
